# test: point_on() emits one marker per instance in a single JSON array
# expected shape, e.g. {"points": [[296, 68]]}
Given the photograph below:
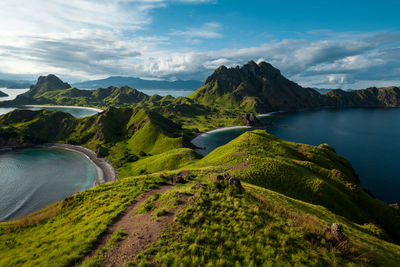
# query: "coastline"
{"points": [[60, 106], [223, 129], [105, 171]]}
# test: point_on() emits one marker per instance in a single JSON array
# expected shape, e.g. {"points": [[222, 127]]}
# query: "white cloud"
{"points": [[209, 30]]}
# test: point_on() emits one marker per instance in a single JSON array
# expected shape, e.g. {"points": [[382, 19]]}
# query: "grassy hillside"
{"points": [[312, 174], [123, 135], [222, 227]]}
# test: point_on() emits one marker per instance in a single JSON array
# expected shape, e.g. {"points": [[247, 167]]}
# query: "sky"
{"points": [[326, 44]]}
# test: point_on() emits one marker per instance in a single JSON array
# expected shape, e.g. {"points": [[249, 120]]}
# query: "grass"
{"points": [[65, 231], [170, 160], [220, 227]]}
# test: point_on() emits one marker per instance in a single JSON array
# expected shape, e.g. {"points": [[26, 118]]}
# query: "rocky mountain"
{"points": [[2, 94], [370, 97], [139, 83], [45, 84], [255, 87]]}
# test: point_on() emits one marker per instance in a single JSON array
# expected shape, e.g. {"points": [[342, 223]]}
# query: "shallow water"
{"points": [[368, 138], [12, 93], [30, 179]]}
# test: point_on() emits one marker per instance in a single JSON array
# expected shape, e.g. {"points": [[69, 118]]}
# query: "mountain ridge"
{"points": [[139, 83], [262, 88]]}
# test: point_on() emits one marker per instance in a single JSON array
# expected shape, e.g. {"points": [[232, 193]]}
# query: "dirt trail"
{"points": [[141, 231]]}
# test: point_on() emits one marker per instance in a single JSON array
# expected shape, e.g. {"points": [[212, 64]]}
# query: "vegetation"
{"points": [[222, 227]]}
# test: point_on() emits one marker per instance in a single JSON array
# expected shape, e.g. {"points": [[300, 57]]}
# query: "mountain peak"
{"points": [[47, 83], [256, 88]]}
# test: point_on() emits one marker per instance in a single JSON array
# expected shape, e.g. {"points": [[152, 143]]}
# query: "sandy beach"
{"points": [[105, 171], [224, 129], [58, 106]]}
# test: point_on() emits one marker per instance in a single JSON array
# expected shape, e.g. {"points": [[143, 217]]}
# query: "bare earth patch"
{"points": [[140, 229]]}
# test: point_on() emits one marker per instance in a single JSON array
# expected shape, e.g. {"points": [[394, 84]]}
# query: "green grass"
{"points": [[219, 227], [63, 232], [170, 160]]}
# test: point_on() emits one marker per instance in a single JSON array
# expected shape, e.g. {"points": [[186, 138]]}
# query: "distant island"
{"points": [[15, 84], [138, 83]]}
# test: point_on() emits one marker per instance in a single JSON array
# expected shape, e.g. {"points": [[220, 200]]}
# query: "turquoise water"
{"points": [[76, 112], [30, 179], [368, 138]]}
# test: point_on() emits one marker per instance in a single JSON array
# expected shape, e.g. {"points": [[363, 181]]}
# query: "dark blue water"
{"points": [[368, 138], [30, 179]]}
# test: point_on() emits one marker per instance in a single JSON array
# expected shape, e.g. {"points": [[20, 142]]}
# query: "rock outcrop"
{"points": [[251, 120], [337, 232]]}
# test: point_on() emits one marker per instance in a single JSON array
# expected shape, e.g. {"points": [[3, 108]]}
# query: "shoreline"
{"points": [[60, 106], [223, 129], [105, 171]]}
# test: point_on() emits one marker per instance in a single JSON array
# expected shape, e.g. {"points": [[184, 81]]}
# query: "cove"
{"points": [[368, 138], [34, 178]]}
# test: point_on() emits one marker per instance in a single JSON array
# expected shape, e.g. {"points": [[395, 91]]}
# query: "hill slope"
{"points": [[124, 135], [312, 174]]}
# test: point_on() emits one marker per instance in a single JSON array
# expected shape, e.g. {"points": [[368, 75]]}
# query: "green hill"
{"points": [[122, 134], [313, 174]]}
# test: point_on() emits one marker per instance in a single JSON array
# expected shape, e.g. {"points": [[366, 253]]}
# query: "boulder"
{"points": [[235, 182], [337, 232]]}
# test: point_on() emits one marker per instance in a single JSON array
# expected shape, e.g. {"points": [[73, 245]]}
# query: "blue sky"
{"points": [[330, 44]]}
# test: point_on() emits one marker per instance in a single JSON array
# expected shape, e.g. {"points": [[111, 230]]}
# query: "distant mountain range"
{"points": [[12, 84], [138, 83]]}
